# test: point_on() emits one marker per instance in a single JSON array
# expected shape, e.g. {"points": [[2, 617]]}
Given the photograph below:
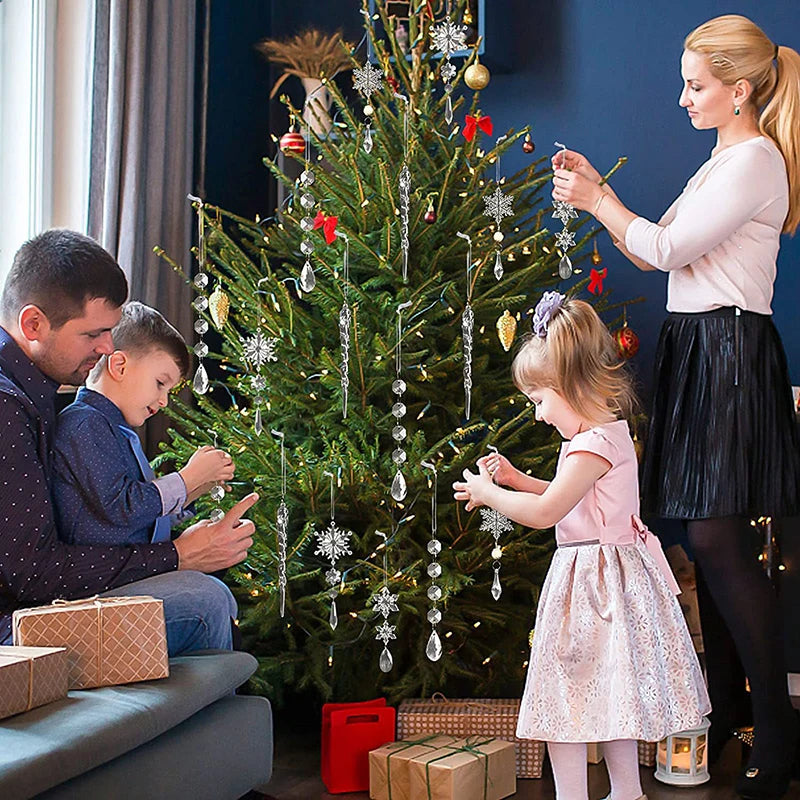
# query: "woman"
{"points": [[722, 445]]}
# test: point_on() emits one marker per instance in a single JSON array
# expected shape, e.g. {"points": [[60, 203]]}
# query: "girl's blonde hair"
{"points": [[737, 49], [578, 359]]}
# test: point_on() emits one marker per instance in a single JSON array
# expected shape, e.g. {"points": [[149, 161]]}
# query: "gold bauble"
{"points": [[218, 307], [476, 76], [506, 330]]}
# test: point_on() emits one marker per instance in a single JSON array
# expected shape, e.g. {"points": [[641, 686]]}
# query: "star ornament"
{"points": [[258, 349], [498, 205], [367, 79], [333, 543], [385, 632], [565, 239], [448, 37]]}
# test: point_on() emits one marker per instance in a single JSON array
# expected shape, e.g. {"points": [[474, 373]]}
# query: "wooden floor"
{"points": [[296, 777]]}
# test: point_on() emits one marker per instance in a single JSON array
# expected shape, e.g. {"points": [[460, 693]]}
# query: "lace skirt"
{"points": [[612, 657]]}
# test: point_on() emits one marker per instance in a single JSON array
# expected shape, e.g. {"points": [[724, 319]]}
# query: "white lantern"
{"points": [[682, 758]]}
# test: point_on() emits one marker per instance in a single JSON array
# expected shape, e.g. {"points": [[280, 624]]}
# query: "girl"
{"points": [[722, 446], [612, 659]]}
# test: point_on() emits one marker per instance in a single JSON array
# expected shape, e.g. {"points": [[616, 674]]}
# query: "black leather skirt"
{"points": [[722, 437]]}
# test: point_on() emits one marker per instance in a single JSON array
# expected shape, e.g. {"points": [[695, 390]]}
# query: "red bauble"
{"points": [[430, 216], [527, 144], [627, 342], [292, 142]]}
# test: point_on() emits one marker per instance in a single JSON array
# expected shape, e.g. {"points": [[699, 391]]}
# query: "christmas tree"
{"points": [[290, 359]]}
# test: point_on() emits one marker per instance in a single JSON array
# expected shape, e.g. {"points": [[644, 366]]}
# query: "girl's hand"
{"points": [[474, 487], [575, 189], [500, 469], [576, 162]]}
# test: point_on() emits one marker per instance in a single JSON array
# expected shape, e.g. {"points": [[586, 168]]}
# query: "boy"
{"points": [[104, 489]]}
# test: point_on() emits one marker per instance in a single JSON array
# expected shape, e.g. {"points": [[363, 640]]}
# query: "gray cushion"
{"points": [[52, 744]]}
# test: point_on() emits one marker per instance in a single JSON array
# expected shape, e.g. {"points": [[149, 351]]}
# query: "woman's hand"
{"points": [[575, 189], [500, 469], [576, 162], [474, 488]]}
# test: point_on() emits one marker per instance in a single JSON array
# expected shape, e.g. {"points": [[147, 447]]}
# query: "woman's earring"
{"points": [[736, 111]]}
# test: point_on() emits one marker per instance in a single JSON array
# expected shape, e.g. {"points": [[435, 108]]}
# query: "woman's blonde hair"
{"points": [[737, 49], [578, 359]]}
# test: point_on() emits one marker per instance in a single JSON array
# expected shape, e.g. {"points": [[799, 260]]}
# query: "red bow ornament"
{"points": [[328, 225], [596, 277], [473, 123]]}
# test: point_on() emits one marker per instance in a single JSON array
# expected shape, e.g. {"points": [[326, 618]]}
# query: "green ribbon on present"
{"points": [[470, 747], [406, 744]]}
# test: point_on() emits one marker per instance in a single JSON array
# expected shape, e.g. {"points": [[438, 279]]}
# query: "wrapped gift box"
{"points": [[464, 717], [388, 765], [647, 753], [30, 677], [475, 768], [109, 640]]}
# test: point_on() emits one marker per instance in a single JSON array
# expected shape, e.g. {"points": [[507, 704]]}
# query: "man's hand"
{"points": [[211, 546]]}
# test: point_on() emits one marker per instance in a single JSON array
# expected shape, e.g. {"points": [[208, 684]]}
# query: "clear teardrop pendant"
{"points": [[367, 141], [448, 110], [498, 266], [399, 487], [200, 381], [565, 268], [434, 647], [308, 280], [497, 589], [385, 662], [333, 617], [258, 425]]}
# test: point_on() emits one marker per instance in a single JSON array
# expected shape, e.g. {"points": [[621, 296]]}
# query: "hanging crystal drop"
{"points": [[200, 303], [200, 382], [201, 349], [258, 425], [399, 488], [201, 280], [497, 589], [434, 616], [333, 617], [368, 141], [307, 200], [308, 280], [448, 110], [399, 410], [307, 224], [307, 177], [399, 456], [434, 569], [434, 547], [498, 266], [398, 386], [398, 433], [216, 515], [217, 493], [201, 326], [434, 647], [565, 268], [385, 661], [306, 247]]}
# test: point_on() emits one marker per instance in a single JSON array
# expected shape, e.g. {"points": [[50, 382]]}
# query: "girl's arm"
{"points": [[504, 473], [574, 479]]}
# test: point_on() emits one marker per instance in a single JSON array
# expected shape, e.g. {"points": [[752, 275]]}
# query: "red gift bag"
{"points": [[349, 732]]}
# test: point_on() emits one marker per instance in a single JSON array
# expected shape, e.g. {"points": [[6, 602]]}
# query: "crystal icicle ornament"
{"points": [[367, 145], [333, 617], [448, 109], [282, 524], [344, 339], [399, 487], [258, 425], [497, 589], [434, 647], [385, 662], [308, 280], [498, 266], [565, 268], [467, 325], [200, 381]]}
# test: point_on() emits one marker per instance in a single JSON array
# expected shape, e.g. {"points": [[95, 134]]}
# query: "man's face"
{"points": [[67, 354]]}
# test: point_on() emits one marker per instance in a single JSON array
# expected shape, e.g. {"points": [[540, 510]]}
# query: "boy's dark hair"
{"points": [[60, 271], [142, 329]]}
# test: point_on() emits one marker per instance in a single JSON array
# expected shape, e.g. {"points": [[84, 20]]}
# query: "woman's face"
{"points": [[708, 101]]}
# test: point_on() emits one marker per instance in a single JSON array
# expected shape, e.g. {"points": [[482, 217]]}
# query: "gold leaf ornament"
{"points": [[506, 330], [218, 307]]}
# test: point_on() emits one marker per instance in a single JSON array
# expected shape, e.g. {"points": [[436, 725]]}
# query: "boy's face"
{"points": [[145, 383]]}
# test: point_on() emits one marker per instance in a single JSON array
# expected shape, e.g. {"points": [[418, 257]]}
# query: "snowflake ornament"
{"points": [[367, 79], [565, 239], [494, 522], [385, 602], [448, 72], [564, 212], [498, 205], [385, 631], [448, 37], [259, 349], [333, 543], [333, 576], [258, 383]]}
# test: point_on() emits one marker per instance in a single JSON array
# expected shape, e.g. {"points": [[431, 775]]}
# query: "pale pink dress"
{"points": [[612, 657]]}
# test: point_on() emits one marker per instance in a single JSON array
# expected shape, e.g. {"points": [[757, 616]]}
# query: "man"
{"points": [[61, 299]]}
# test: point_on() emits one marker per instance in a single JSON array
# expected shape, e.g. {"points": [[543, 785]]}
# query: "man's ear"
{"points": [[33, 323], [117, 364]]}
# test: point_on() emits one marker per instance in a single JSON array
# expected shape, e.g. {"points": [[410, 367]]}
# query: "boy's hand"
{"points": [[207, 465], [474, 487], [500, 469], [211, 546]]}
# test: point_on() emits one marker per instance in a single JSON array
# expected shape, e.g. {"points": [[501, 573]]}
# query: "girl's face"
{"points": [[708, 101], [553, 409]]}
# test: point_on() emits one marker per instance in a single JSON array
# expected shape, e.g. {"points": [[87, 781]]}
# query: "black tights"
{"points": [[742, 635]]}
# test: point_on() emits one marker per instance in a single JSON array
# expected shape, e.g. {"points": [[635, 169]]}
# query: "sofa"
{"points": [[187, 735]]}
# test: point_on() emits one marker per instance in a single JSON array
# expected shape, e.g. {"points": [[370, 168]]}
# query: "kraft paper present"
{"points": [[475, 768], [388, 765], [31, 677], [464, 717], [647, 753], [109, 640]]}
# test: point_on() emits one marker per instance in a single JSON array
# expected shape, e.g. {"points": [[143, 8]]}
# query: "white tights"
{"points": [[568, 760]]}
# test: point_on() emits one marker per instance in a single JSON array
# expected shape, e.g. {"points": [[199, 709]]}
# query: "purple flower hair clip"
{"points": [[543, 313]]}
